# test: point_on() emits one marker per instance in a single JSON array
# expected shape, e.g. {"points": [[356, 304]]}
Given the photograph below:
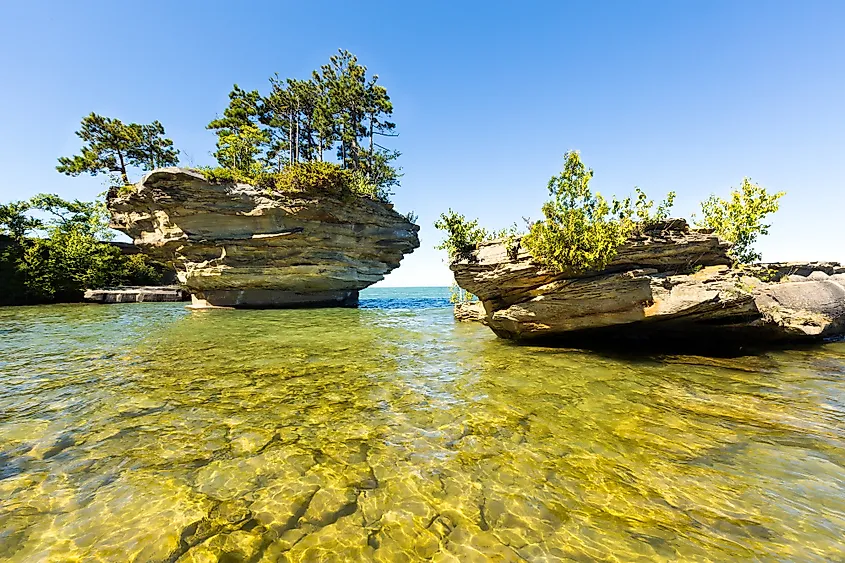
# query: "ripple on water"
{"points": [[390, 433]]}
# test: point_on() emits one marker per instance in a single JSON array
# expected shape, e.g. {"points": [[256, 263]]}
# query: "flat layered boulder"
{"points": [[668, 284], [237, 245], [140, 294]]}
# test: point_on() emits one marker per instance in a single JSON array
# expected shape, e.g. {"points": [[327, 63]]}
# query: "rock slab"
{"points": [[141, 294], [670, 283], [236, 245]]}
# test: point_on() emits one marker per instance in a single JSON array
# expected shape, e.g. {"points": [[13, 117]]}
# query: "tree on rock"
{"points": [[111, 146], [153, 149], [340, 108], [239, 138]]}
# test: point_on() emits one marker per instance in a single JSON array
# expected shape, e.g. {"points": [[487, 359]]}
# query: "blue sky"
{"points": [[687, 96]]}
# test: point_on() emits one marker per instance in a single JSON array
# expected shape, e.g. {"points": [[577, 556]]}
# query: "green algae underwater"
{"points": [[147, 432]]}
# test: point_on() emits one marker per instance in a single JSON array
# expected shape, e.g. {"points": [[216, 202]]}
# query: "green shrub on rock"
{"points": [[739, 220], [462, 235], [581, 229], [313, 176]]}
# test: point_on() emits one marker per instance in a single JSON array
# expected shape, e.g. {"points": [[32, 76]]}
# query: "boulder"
{"points": [[236, 245], [470, 311], [666, 285]]}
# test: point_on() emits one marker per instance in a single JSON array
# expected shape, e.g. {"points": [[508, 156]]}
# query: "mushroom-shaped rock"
{"points": [[237, 245]]}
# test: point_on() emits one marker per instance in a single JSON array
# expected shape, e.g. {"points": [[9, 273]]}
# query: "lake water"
{"points": [[390, 433]]}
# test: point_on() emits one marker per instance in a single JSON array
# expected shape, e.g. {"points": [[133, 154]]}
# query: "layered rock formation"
{"points": [[672, 282], [470, 311], [236, 245]]}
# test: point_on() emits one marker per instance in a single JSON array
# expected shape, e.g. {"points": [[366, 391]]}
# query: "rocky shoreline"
{"points": [[236, 245], [669, 284]]}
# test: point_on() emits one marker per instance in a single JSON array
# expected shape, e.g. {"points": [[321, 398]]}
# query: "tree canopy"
{"points": [[111, 147], [339, 109]]}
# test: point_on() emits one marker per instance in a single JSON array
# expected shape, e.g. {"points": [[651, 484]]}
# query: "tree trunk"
{"points": [[123, 168], [370, 156], [342, 146], [297, 137], [290, 137]]}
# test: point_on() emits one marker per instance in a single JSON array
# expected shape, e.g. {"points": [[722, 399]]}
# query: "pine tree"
{"points": [[304, 94], [324, 122], [152, 150], [339, 108], [108, 143], [278, 116], [346, 84], [239, 137], [378, 109]]}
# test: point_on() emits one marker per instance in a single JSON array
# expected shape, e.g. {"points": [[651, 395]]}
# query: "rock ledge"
{"points": [[235, 245], [670, 284]]}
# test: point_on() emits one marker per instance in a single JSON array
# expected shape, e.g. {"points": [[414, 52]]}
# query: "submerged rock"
{"points": [[237, 245], [671, 283]]}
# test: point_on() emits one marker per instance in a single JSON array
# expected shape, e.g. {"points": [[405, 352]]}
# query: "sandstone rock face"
{"points": [[672, 282], [236, 245]]}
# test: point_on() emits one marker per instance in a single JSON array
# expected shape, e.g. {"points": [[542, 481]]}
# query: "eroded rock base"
{"points": [[272, 299]]}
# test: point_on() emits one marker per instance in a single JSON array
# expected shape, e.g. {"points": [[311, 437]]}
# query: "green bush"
{"points": [[581, 230], [462, 235], [138, 269], [642, 210], [313, 176], [226, 175], [739, 220]]}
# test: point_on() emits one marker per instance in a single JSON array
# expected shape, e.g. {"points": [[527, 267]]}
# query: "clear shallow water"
{"points": [[390, 433]]}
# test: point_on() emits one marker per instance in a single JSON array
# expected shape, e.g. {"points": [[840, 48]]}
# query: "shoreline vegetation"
{"points": [[57, 258], [282, 142]]}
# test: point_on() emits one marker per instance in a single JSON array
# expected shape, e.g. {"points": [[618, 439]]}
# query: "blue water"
{"points": [[404, 298]]}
